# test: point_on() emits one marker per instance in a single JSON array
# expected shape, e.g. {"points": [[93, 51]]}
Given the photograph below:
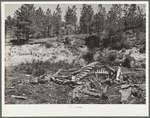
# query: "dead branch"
{"points": [[56, 72], [19, 97]]}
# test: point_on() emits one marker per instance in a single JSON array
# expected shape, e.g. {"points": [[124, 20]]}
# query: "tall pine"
{"points": [[38, 25], [70, 17], [57, 21], [48, 21], [86, 18], [99, 20], [24, 17]]}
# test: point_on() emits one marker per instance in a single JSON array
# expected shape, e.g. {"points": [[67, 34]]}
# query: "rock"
{"points": [[125, 94]]}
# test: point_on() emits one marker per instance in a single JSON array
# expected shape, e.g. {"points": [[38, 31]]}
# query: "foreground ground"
{"points": [[17, 84]]}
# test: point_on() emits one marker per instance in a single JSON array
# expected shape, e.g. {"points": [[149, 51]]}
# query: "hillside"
{"points": [[39, 56]]}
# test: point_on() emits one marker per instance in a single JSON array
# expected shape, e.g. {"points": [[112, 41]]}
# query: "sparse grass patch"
{"points": [[75, 46], [37, 68]]}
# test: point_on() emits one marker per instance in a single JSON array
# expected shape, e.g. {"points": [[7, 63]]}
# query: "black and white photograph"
{"points": [[75, 53]]}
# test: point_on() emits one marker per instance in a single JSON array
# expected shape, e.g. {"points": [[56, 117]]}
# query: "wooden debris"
{"points": [[27, 75], [11, 87], [19, 97], [33, 82], [114, 96], [57, 72]]}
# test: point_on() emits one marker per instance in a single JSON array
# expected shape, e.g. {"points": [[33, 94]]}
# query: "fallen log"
{"points": [[19, 97]]}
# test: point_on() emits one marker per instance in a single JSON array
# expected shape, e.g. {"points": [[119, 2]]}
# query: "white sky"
{"points": [[11, 8]]}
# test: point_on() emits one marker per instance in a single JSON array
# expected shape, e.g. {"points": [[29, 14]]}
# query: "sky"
{"points": [[11, 8]]}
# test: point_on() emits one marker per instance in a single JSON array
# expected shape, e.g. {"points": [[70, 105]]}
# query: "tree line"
{"points": [[30, 23]]}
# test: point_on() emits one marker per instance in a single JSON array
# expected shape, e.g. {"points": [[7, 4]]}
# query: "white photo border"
{"points": [[86, 109]]}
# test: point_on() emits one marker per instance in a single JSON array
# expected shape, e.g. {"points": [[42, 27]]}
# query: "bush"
{"points": [[92, 42], [88, 56], [38, 72], [18, 41], [129, 61], [66, 41], [113, 41], [48, 45], [116, 63], [143, 49], [116, 41], [112, 56]]}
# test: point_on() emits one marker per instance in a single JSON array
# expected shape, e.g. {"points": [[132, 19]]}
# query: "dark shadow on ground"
{"points": [[19, 41]]}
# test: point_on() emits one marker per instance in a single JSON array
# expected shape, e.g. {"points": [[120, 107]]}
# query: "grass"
{"points": [[50, 92], [37, 94], [37, 68]]}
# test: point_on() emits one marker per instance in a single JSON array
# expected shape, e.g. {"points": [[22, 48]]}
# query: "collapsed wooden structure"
{"points": [[87, 81]]}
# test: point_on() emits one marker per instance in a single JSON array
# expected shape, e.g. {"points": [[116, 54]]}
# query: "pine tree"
{"points": [[71, 17], [125, 17], [86, 18], [8, 24], [24, 17], [48, 21], [133, 17], [57, 21], [114, 19], [38, 26], [99, 19]]}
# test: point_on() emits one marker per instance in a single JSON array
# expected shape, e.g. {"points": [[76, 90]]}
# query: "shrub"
{"points": [[48, 45], [66, 41], [105, 56], [105, 42], [38, 72], [18, 41], [112, 56], [92, 42], [88, 56], [129, 61], [143, 49], [116, 63], [116, 41]]}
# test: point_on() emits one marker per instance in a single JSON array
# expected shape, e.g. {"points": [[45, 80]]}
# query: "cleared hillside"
{"points": [[40, 56]]}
